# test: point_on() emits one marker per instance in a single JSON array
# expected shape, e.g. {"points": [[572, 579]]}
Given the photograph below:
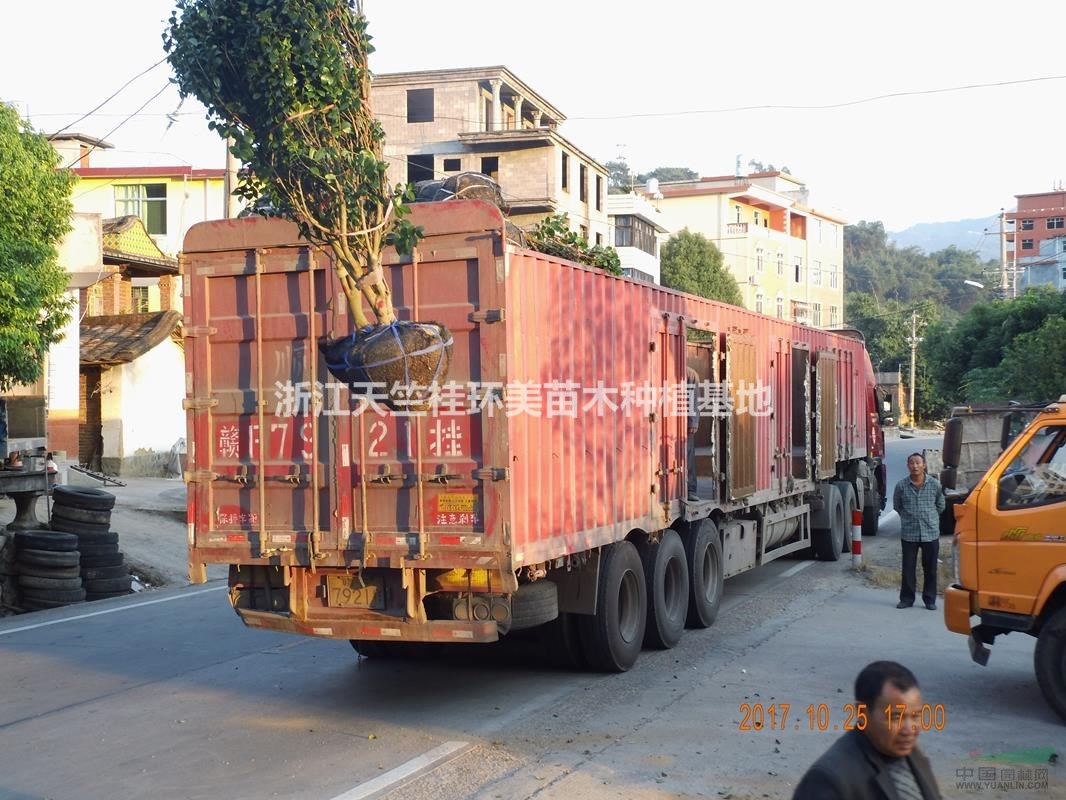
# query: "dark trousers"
{"points": [[930, 551]]}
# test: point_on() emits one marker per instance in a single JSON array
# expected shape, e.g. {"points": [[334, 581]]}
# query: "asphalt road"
{"points": [[168, 696]]}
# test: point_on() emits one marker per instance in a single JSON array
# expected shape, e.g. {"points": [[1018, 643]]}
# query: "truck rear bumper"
{"points": [[957, 610], [396, 631]]}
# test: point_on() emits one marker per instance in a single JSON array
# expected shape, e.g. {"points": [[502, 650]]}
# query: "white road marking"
{"points": [[788, 573], [110, 610], [423, 763]]}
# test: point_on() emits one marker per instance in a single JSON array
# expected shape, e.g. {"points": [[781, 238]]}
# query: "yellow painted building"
{"points": [[786, 256]]}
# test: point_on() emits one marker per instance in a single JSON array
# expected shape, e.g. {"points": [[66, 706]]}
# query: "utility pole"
{"points": [[232, 208], [913, 341], [1004, 283]]}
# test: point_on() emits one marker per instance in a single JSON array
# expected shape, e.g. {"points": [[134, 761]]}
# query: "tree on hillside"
{"points": [[620, 177], [289, 83], [35, 213], [875, 266], [691, 263], [758, 166]]}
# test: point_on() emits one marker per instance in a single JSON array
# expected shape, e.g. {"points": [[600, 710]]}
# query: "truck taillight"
{"points": [[955, 572]]}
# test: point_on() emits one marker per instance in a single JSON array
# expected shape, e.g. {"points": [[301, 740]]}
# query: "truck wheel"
{"points": [[706, 576], [847, 493], [828, 542], [1050, 661], [83, 497], [612, 637], [666, 582], [871, 514], [561, 642]]}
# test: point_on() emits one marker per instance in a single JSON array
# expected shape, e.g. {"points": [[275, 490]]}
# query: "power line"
{"points": [[111, 97], [127, 119]]}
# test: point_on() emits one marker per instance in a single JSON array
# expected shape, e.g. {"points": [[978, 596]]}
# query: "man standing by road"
{"points": [[919, 501], [879, 759]]}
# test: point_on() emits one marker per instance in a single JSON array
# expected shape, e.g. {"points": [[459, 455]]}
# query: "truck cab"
{"points": [[1010, 552]]}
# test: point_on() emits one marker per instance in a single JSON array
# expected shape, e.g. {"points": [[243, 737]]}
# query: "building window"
{"points": [[1027, 244], [566, 172], [145, 200], [781, 264], [739, 217], [834, 277], [419, 168], [599, 240], [584, 232], [490, 165], [1027, 224], [758, 259], [758, 216], [583, 183], [833, 228], [631, 231], [140, 299], [759, 303], [1063, 275], [1054, 222], [419, 105], [833, 318], [599, 193], [780, 307], [797, 270], [816, 273], [453, 164], [816, 315]]}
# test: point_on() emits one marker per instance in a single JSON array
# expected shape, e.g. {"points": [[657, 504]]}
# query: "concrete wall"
{"points": [[141, 410]]}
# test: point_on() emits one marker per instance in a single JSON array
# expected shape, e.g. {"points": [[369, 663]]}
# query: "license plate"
{"points": [[347, 591]]}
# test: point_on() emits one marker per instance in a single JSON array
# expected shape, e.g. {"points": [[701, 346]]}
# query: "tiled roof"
{"points": [[126, 241], [119, 339]]}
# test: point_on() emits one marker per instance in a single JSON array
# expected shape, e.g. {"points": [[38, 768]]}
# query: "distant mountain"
{"points": [[965, 234]]}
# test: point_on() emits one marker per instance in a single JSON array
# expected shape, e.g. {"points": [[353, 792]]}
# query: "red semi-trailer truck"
{"points": [[547, 486]]}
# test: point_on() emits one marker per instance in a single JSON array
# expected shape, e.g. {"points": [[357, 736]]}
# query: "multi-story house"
{"points": [[1047, 268], [1039, 217], [441, 122], [637, 233], [168, 200], [786, 256]]}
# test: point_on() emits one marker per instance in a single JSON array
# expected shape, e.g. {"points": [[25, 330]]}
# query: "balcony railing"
{"points": [[747, 228]]}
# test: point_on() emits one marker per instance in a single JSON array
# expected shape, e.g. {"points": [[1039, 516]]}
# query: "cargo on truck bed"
{"points": [[548, 484]]}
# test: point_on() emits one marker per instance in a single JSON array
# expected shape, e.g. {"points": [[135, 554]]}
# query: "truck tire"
{"points": [[1050, 661], [80, 528], [828, 543], [75, 514], [51, 584], [612, 637], [58, 596], [46, 540], [847, 493], [560, 642], [706, 574], [534, 604], [101, 573], [666, 582], [48, 572], [108, 585], [83, 497], [871, 515], [48, 558]]}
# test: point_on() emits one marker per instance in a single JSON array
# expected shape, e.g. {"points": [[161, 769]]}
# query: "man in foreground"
{"points": [[882, 760]]}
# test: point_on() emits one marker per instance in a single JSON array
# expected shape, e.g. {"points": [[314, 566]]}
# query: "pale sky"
{"points": [[902, 160]]}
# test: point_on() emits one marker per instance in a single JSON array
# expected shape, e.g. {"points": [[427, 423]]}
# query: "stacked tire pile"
{"points": [[47, 563], [86, 513]]}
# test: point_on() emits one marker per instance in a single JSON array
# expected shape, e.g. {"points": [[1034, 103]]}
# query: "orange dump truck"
{"points": [[548, 486], [1010, 552]]}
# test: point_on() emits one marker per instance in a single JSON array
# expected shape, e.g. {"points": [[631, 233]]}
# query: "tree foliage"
{"points": [[622, 180], [875, 266], [288, 81], [691, 263], [758, 166], [1002, 350], [553, 236], [35, 213]]}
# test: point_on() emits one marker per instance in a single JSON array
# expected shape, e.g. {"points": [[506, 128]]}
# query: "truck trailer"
{"points": [[547, 485]]}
